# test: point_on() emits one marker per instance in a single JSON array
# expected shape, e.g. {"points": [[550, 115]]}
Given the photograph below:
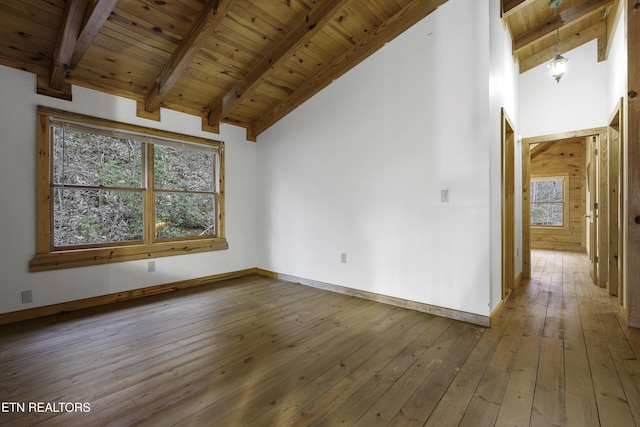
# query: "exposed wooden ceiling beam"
{"points": [[509, 7], [67, 36], [568, 17], [293, 41], [612, 18], [96, 15], [543, 147], [387, 31], [207, 22], [566, 44]]}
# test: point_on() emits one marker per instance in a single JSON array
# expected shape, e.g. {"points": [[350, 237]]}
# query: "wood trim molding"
{"points": [[564, 135], [109, 255], [497, 312], [507, 155], [526, 210], [267, 273], [517, 281], [632, 162], [48, 310], [476, 319]]}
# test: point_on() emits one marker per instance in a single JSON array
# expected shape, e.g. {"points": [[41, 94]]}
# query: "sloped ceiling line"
{"points": [[313, 22], [406, 17]]}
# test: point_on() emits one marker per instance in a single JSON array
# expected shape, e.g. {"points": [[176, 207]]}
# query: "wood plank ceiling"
{"points": [[533, 27], [244, 62]]}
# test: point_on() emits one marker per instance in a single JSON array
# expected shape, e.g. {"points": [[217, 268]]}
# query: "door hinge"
{"points": [[595, 152], [595, 259], [595, 206]]}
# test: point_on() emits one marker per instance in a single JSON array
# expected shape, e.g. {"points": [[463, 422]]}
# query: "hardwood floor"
{"points": [[261, 352]]}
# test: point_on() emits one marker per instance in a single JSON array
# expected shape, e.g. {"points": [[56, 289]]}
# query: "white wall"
{"points": [[17, 192], [358, 169], [617, 66], [578, 101]]}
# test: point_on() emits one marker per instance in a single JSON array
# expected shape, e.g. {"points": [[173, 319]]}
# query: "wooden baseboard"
{"points": [[476, 319], [65, 307], [517, 281], [267, 273], [32, 313], [633, 322], [498, 310]]}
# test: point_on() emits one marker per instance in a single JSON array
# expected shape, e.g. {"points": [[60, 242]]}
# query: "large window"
{"points": [[111, 192], [547, 201]]}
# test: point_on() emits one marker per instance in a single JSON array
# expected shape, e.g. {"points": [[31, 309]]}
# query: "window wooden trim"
{"points": [[47, 258], [565, 203]]}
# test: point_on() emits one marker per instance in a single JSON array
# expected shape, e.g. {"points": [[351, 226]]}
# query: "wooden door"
{"points": [[602, 209], [614, 209]]}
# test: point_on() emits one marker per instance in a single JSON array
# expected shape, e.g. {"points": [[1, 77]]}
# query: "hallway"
{"points": [[570, 358]]}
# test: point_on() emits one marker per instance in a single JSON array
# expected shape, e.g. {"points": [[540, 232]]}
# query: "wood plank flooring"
{"points": [[262, 352]]}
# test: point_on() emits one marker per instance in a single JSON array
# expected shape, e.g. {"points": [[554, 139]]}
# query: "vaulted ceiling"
{"points": [[533, 25], [244, 62]]}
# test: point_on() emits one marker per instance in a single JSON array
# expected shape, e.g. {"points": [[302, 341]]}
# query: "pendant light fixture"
{"points": [[559, 65]]}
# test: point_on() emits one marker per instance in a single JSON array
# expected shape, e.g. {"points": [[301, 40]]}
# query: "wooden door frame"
{"points": [[603, 209], [616, 208], [526, 180], [631, 175], [592, 230], [508, 204]]}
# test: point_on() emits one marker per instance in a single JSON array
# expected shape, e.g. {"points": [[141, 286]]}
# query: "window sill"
{"points": [[550, 229], [86, 257]]}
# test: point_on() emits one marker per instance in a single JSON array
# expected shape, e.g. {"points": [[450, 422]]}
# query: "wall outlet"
{"points": [[27, 297], [151, 266], [444, 196], [343, 258]]}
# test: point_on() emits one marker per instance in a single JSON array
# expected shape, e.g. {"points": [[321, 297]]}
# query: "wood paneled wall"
{"points": [[562, 158]]}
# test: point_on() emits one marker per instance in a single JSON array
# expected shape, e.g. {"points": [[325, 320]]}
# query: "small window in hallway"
{"points": [[547, 201]]}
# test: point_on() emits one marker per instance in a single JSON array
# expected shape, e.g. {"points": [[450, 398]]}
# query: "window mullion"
{"points": [[149, 200]]}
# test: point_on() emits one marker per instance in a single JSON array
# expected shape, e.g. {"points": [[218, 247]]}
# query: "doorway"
{"points": [[528, 144]]}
